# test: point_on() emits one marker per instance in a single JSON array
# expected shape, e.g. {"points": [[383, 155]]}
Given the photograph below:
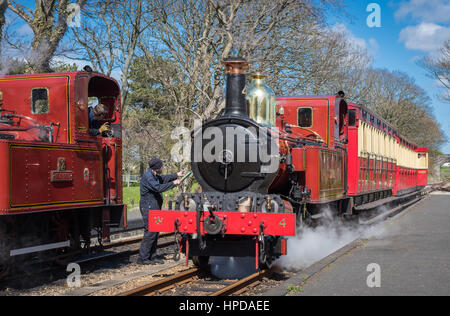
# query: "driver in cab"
{"points": [[96, 116]]}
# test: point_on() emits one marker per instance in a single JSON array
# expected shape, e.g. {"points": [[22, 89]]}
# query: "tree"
{"points": [[146, 90], [14, 66], [198, 35], [63, 67], [144, 135], [3, 7], [439, 68], [49, 24], [108, 37], [319, 62], [397, 98]]}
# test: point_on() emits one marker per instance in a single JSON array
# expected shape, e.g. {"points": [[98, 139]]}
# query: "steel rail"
{"points": [[164, 284], [189, 275], [236, 287]]}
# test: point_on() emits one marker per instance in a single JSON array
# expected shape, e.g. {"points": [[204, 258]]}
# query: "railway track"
{"points": [[44, 271], [444, 186], [192, 282], [108, 251], [195, 281]]}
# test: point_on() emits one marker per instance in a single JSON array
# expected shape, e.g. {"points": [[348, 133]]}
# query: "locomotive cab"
{"points": [[91, 91], [322, 119], [314, 171]]}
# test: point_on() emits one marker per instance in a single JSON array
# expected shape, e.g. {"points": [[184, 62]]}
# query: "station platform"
{"points": [[412, 257]]}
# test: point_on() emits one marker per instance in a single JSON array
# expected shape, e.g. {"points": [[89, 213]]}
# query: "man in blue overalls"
{"points": [[153, 184]]}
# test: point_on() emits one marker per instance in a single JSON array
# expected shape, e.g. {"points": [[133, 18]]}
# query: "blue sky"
{"points": [[409, 31]]}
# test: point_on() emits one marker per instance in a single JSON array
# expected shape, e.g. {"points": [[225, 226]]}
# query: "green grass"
{"points": [[445, 172], [294, 289], [131, 196]]}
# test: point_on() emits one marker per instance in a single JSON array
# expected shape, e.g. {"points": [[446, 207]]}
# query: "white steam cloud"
{"points": [[311, 244]]}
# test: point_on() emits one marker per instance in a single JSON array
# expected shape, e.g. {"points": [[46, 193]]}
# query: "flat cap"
{"points": [[155, 163]]}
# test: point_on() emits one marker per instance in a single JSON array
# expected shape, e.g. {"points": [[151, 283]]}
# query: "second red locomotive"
{"points": [[58, 183]]}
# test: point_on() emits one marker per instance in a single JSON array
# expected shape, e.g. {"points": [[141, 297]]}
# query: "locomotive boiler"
{"points": [[269, 163]]}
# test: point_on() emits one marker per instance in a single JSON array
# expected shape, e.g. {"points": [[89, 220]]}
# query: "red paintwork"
{"points": [[30, 166], [275, 224], [298, 159], [323, 108], [325, 182], [28, 163], [422, 174]]}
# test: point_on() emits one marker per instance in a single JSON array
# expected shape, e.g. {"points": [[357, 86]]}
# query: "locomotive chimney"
{"points": [[235, 100]]}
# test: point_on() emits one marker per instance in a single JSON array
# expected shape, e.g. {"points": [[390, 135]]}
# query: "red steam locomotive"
{"points": [[267, 164], [57, 182]]}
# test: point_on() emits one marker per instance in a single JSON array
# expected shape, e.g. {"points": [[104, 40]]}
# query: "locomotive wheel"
{"points": [[201, 261], [6, 262], [5, 268], [65, 227]]}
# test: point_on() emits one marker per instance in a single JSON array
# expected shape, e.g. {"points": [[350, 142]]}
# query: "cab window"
{"points": [[305, 117], [351, 117], [39, 101]]}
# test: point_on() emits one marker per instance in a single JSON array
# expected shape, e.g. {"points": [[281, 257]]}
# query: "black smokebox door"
{"points": [[235, 159]]}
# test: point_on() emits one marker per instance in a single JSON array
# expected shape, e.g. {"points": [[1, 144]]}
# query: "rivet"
{"points": [[249, 223], [243, 229]]}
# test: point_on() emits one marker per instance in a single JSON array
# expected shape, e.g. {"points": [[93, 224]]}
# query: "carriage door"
{"points": [[341, 120]]}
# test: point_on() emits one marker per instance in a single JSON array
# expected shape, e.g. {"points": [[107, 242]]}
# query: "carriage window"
{"points": [[39, 101], [352, 118], [305, 117]]}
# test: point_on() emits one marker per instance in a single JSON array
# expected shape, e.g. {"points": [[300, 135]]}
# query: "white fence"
{"points": [[131, 178]]}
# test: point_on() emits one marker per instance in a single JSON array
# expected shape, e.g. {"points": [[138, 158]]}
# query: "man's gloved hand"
{"points": [[104, 128]]}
